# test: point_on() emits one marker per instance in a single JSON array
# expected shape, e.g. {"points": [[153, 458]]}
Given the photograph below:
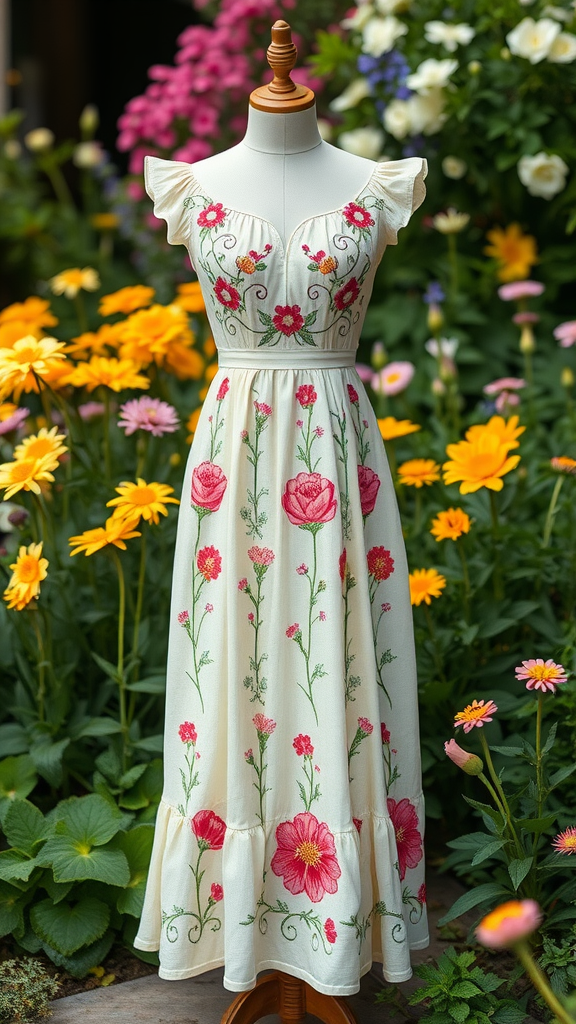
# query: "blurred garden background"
{"points": [[468, 355]]}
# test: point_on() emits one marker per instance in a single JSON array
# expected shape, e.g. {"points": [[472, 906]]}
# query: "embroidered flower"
{"points": [[385, 733], [183, 618], [347, 294], [223, 389], [264, 726], [368, 483], [246, 264], [243, 584], [303, 745], [306, 395], [342, 565], [302, 569], [352, 393], [212, 217], [209, 562], [380, 563], [309, 498], [408, 839], [226, 294], [306, 857], [209, 830], [209, 608], [330, 930], [421, 895], [261, 556], [366, 726], [288, 320], [292, 630], [187, 732], [357, 216], [263, 408], [208, 486], [216, 892]]}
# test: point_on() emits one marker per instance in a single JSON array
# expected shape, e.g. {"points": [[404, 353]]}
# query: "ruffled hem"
{"points": [[248, 927], [400, 184]]}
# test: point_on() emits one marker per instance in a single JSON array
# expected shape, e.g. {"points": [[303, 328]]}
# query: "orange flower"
{"points": [[116, 374], [105, 221], [481, 462], [424, 585], [35, 312], [507, 431], [451, 524], [24, 475], [515, 252], [184, 362], [417, 472], [391, 427], [148, 333], [192, 423], [115, 531], [563, 464], [126, 300], [28, 571], [95, 342], [189, 297]]}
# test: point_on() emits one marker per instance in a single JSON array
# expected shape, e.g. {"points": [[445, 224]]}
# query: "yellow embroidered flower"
{"points": [[327, 265], [27, 357], [563, 464], [95, 342], [116, 531], [126, 300], [481, 462], [28, 571], [24, 475], [34, 311], [507, 431], [189, 297], [451, 524], [46, 445], [148, 333], [141, 500], [515, 252], [391, 427], [69, 282], [417, 472], [116, 374], [424, 585], [245, 264]]}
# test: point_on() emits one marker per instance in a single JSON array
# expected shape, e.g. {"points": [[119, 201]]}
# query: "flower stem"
{"points": [[120, 665], [139, 596], [41, 665], [486, 750], [540, 983], [552, 511], [81, 313], [465, 578], [453, 258]]}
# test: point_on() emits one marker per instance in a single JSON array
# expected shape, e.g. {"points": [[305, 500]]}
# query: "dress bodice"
{"points": [[312, 291]]}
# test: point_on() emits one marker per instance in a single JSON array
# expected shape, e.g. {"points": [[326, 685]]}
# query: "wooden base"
{"points": [[289, 997]]}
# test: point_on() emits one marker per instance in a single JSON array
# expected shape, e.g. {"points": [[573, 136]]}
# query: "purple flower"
{"points": [[14, 421], [148, 414], [434, 293]]}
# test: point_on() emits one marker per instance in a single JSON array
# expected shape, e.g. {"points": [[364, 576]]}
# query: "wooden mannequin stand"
{"points": [[278, 992]]}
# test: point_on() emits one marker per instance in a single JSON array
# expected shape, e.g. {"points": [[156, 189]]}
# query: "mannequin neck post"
{"points": [[296, 132]]}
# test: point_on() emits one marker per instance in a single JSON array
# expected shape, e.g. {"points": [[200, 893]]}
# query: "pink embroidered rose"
{"points": [[330, 930], [261, 556], [209, 830], [303, 745], [216, 892], [347, 294], [264, 725], [226, 294], [187, 732], [305, 857], [208, 486], [369, 483], [380, 563], [408, 839], [288, 319], [209, 562], [306, 395], [212, 217], [357, 216], [309, 498], [223, 389], [352, 393]]}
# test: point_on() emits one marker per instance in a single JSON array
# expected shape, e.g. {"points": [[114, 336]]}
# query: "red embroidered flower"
{"points": [[263, 408], [368, 482], [212, 217], [209, 830], [288, 319], [264, 725], [408, 838], [357, 216], [223, 389], [216, 892], [303, 745], [261, 556], [208, 486], [352, 393], [421, 897], [306, 395], [385, 733], [209, 562], [292, 630], [243, 584], [342, 565], [358, 824], [187, 732], [347, 294], [380, 563], [309, 498], [226, 294], [365, 725], [183, 618], [306, 857], [330, 930]]}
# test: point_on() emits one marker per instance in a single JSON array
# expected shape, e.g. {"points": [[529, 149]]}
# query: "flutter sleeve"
{"points": [[399, 185], [168, 183]]}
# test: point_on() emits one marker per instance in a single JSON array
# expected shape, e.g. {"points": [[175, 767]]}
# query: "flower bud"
{"points": [[474, 67], [378, 356], [447, 370], [435, 317], [469, 763], [527, 340], [567, 377], [89, 119], [39, 140]]}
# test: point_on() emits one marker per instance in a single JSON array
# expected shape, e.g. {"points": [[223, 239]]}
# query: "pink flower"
{"points": [[209, 608], [305, 857], [212, 217], [393, 378], [385, 733], [347, 295], [565, 333], [209, 830], [183, 618], [187, 732], [223, 389], [243, 584], [541, 675], [264, 726], [250, 616], [302, 569], [243, 434], [365, 372], [357, 216], [149, 414], [520, 290], [209, 562], [469, 763], [475, 714], [249, 754], [216, 892], [408, 839], [208, 486], [330, 930], [88, 411], [261, 556], [421, 895], [380, 563], [306, 395], [386, 607], [565, 842], [226, 294], [368, 483], [300, 423], [309, 498], [322, 616], [504, 384], [365, 726], [357, 824], [303, 745], [505, 401], [316, 768], [342, 565], [509, 923], [352, 393], [319, 431], [263, 408], [292, 630], [288, 320], [525, 316]]}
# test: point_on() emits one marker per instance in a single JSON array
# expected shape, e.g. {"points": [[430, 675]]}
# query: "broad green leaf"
{"points": [[154, 744], [72, 860], [487, 851], [536, 824], [107, 667], [17, 778], [24, 825], [137, 847], [79, 963], [57, 891], [90, 819], [518, 869], [472, 841], [561, 775], [15, 865], [13, 739], [147, 791], [480, 894], [68, 928], [47, 758], [465, 990], [510, 1013], [459, 1011], [151, 684], [11, 909], [102, 726]]}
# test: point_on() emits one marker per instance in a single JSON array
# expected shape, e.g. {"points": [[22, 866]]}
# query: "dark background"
{"points": [[72, 52]]}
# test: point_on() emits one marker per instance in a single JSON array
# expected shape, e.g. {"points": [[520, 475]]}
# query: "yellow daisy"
{"points": [[28, 356], [106, 221], [69, 282], [481, 462], [113, 373], [417, 472], [507, 431], [34, 311], [515, 252], [7, 409], [142, 500], [391, 427], [43, 445], [425, 584], [24, 475], [115, 531], [28, 571], [189, 297], [451, 524], [126, 300]]}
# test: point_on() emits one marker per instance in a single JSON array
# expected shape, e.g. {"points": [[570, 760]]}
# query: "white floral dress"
{"points": [[290, 831]]}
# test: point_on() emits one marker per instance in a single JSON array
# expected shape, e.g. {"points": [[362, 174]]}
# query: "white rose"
{"points": [[380, 34], [543, 175], [397, 118], [39, 139], [356, 91], [87, 154], [391, 6], [358, 19], [453, 167], [366, 142], [563, 49], [427, 112], [431, 74], [533, 39], [450, 36]]}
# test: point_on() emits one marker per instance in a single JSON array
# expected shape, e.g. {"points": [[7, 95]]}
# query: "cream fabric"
{"points": [[290, 832]]}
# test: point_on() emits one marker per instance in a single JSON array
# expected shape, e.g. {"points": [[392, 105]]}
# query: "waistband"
{"points": [[283, 359]]}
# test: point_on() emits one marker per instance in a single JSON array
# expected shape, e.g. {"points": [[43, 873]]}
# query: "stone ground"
{"points": [[203, 1000]]}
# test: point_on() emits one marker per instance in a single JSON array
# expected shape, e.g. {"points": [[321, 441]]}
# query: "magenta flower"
{"points": [[264, 725], [187, 732], [385, 733], [292, 630], [183, 618], [541, 675], [525, 316], [421, 896], [408, 837], [260, 556], [216, 892], [365, 725], [151, 414], [330, 930], [565, 333], [520, 290], [303, 745], [393, 378]]}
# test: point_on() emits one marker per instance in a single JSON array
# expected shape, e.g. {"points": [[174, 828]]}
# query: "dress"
{"points": [[290, 831]]}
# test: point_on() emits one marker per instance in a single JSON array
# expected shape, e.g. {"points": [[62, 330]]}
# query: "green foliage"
{"points": [[25, 991], [558, 960]]}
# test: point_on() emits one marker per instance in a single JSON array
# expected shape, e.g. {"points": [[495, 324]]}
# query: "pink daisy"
{"points": [[394, 378], [565, 842], [541, 675], [149, 414], [477, 713], [504, 384], [565, 333], [520, 290]]}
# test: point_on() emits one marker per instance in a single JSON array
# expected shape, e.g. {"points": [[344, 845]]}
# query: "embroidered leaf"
{"points": [[313, 266], [306, 336], [311, 318], [267, 338], [264, 318]]}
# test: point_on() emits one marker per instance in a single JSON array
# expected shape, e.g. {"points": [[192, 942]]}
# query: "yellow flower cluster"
{"points": [[136, 501], [28, 571], [27, 360], [34, 459], [482, 459]]}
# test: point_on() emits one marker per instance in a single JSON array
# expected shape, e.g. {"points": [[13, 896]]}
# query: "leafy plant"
{"points": [[558, 960], [25, 991]]}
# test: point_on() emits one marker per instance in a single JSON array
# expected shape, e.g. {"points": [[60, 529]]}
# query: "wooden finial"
{"points": [[281, 95]]}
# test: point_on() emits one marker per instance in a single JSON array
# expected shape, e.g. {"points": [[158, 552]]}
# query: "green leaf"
{"points": [[107, 667], [472, 841], [11, 909], [465, 990], [509, 1013], [459, 1012], [17, 778], [264, 318], [15, 865], [536, 824], [151, 684], [486, 809], [68, 928], [80, 963], [469, 900], [487, 851], [550, 738], [24, 825], [508, 751], [13, 738], [90, 819], [154, 744], [73, 861], [137, 847], [47, 758], [561, 775], [57, 891], [102, 726], [518, 869]]}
